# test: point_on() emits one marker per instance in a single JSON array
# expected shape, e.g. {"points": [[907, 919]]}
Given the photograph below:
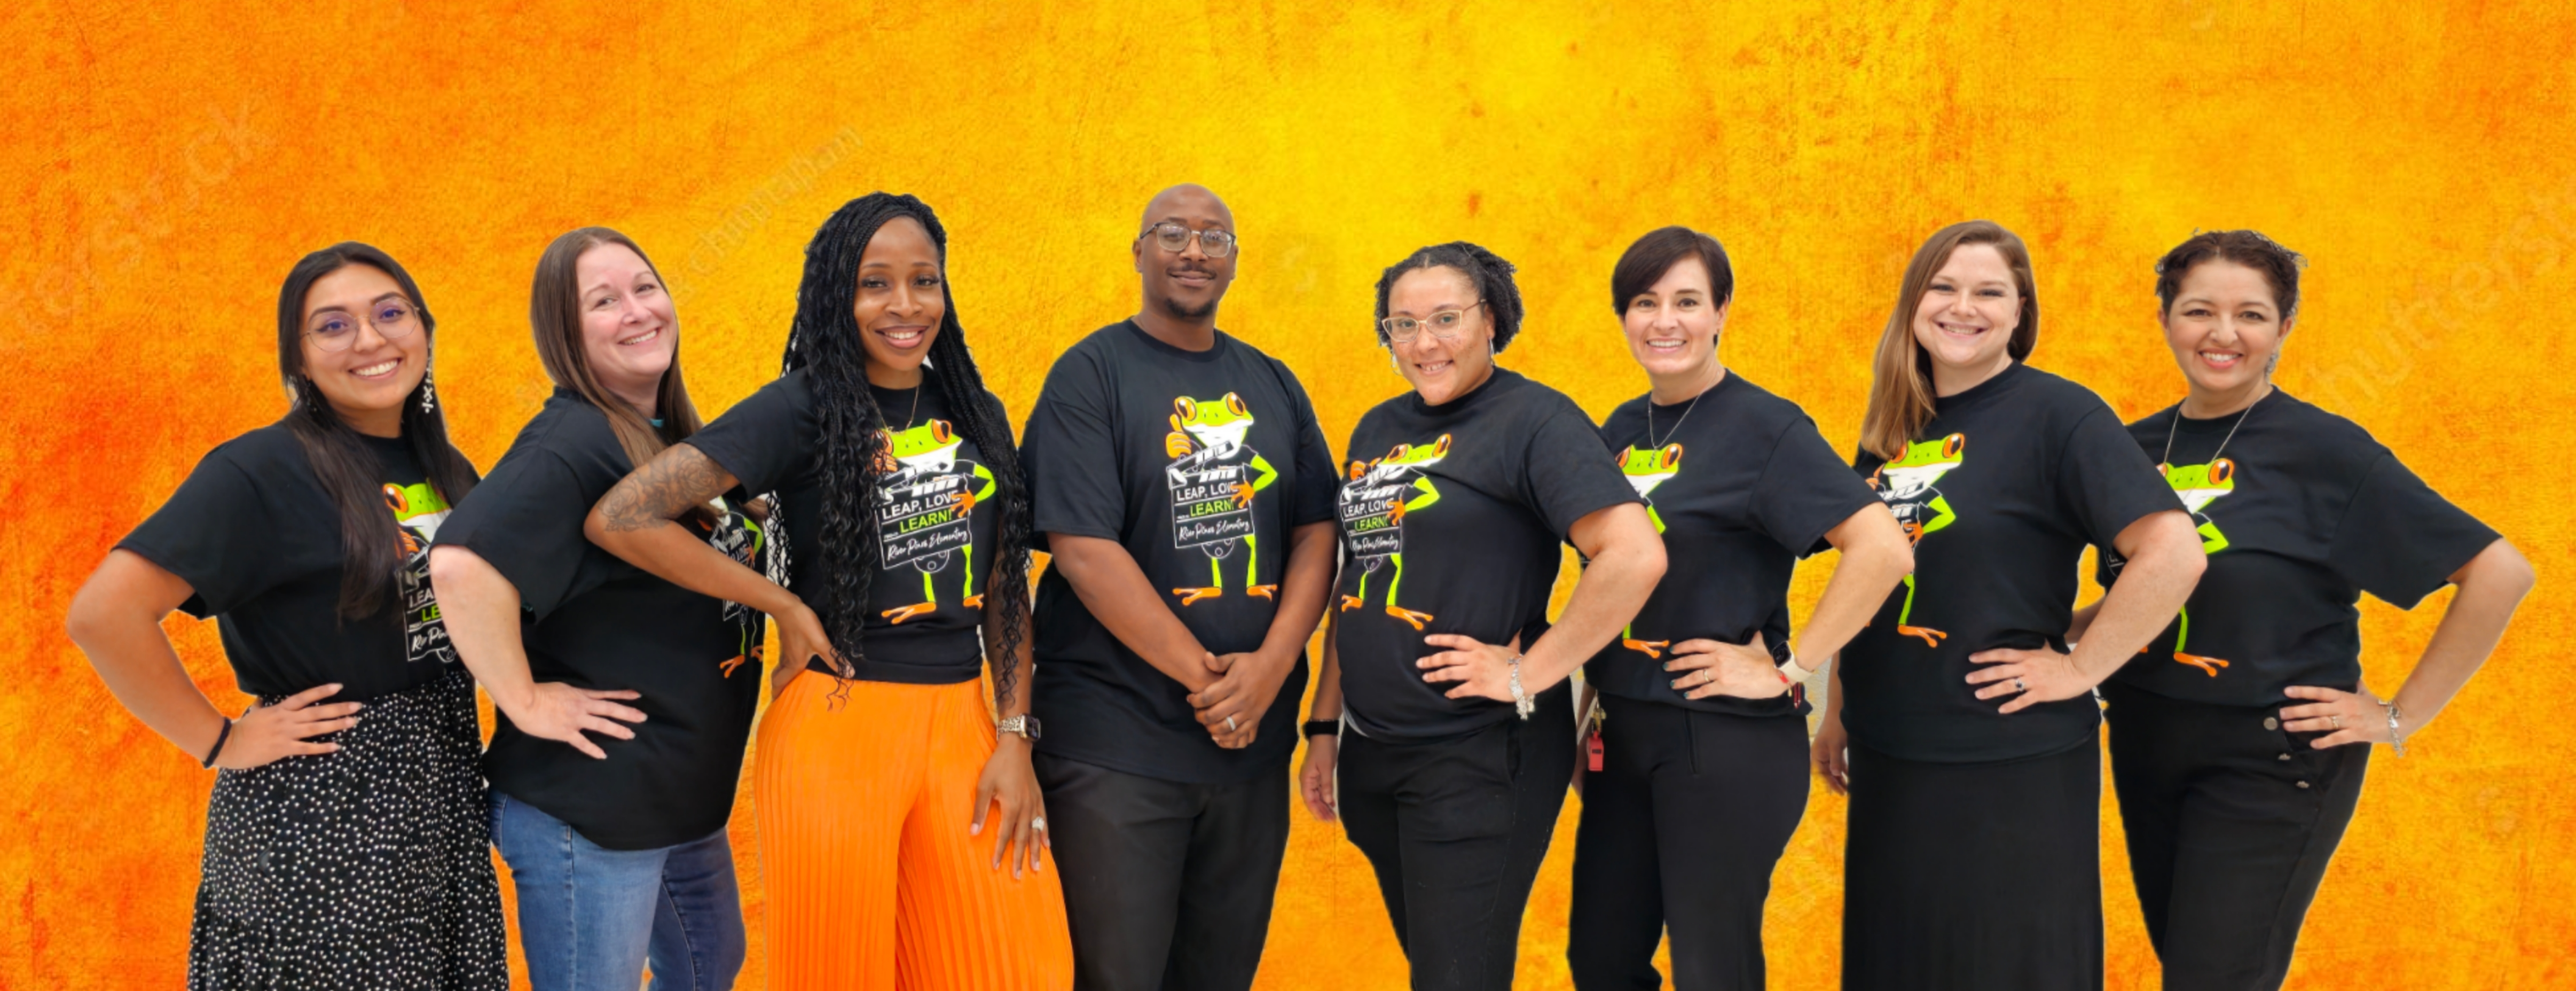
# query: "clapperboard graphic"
{"points": [[1204, 510], [918, 521], [1368, 516], [424, 628]]}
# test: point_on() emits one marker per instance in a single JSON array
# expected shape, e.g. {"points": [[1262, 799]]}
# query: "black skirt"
{"points": [[369, 867], [1974, 876]]}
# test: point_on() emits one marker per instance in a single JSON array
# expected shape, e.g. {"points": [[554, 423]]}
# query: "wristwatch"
{"points": [[1023, 725]]}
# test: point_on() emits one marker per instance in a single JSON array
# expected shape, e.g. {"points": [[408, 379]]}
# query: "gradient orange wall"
{"points": [[165, 164]]}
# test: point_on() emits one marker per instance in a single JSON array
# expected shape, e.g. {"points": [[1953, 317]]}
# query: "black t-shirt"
{"points": [[1453, 518], [1200, 463], [595, 621], [1741, 485], [935, 517], [2300, 513], [2013, 479], [256, 537]]}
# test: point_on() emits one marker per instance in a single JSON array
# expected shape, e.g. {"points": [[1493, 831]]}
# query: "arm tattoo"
{"points": [[665, 489]]}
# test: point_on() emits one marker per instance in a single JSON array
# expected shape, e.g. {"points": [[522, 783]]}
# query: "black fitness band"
{"points": [[1323, 727], [220, 736]]}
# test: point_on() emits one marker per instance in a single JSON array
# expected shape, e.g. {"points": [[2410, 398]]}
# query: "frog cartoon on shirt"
{"points": [[1214, 479], [1906, 485], [2199, 486], [1379, 495], [925, 496], [1646, 470]]}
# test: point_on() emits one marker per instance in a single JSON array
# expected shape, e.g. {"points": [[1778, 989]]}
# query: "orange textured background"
{"points": [[166, 164]]}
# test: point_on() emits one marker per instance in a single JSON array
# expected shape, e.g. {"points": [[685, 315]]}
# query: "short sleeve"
{"points": [[765, 440], [1318, 478], [216, 534], [1076, 486], [525, 521], [1805, 490], [2400, 540], [1568, 472], [2105, 481]]}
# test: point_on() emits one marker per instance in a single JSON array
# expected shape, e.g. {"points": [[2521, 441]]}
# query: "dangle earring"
{"points": [[428, 389]]}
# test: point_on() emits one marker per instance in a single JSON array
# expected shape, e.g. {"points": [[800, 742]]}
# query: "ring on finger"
{"points": [[1229, 725], [2019, 686], [1038, 823], [2335, 721]]}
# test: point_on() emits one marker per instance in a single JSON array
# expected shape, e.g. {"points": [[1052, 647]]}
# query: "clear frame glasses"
{"points": [[1443, 325], [1176, 239], [335, 330]]}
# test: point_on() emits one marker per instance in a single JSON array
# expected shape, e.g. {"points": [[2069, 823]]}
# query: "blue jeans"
{"points": [[591, 917]]}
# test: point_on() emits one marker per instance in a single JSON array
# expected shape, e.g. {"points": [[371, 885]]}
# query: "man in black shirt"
{"points": [[1186, 494]]}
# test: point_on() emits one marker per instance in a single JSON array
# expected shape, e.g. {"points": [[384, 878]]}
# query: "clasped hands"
{"points": [[1239, 691]]}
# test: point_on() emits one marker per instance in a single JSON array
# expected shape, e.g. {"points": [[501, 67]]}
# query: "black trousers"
{"points": [[1681, 828], [1974, 877], [2231, 820], [1166, 885], [1456, 830]]}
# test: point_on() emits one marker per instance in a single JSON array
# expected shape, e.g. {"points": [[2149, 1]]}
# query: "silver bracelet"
{"points": [[2395, 742], [1520, 700]]}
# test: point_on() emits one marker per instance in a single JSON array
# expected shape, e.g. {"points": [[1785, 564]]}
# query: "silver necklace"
{"points": [[2222, 442], [1651, 442]]}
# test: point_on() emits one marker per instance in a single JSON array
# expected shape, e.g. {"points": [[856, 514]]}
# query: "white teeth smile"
{"points": [[902, 338], [1666, 345], [643, 337], [1961, 330], [1433, 367], [2222, 359], [376, 370]]}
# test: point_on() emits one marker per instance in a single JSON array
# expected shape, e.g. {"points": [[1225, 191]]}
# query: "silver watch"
{"points": [[1023, 725]]}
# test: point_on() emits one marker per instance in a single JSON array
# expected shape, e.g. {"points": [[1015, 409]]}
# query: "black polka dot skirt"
{"points": [[365, 868]]}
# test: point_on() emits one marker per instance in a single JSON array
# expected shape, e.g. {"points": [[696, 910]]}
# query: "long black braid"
{"points": [[1491, 274], [825, 342]]}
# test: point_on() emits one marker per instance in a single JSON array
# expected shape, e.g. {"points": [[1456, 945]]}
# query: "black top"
{"points": [[2015, 477], [254, 535], [935, 517], [598, 622], [2301, 513], [1200, 463], [1454, 523], [1741, 485]]}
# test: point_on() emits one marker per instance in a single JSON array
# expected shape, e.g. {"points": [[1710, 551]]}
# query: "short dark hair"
{"points": [[1646, 261], [2280, 266], [1490, 273]]}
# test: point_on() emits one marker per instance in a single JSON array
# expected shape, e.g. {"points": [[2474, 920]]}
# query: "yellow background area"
{"points": [[165, 165]]}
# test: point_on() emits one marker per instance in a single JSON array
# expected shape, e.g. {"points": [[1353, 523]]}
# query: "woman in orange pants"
{"points": [[902, 836]]}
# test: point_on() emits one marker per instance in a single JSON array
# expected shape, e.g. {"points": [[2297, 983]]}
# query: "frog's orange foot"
{"points": [[1395, 514], [1242, 494], [1913, 532], [1929, 636], [1350, 602], [965, 502], [1270, 592], [910, 611], [1176, 444], [1409, 616], [728, 666], [1650, 648], [1190, 595], [2207, 664], [974, 602]]}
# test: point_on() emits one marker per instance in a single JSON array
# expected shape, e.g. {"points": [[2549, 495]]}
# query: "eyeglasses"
{"points": [[1176, 239], [335, 330], [1443, 325]]}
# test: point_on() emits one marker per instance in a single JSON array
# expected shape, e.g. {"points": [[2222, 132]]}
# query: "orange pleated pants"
{"points": [[874, 883]]}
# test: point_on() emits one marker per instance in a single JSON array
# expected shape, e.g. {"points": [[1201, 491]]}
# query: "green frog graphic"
{"points": [[925, 495], [1905, 484], [1214, 478], [1646, 469], [1379, 495], [2200, 485], [742, 541], [418, 510]]}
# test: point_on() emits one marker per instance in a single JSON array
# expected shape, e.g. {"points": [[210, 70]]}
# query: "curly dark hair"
{"points": [[825, 342], [1491, 274], [2280, 266]]}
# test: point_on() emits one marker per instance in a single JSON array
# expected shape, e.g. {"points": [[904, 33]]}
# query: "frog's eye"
{"points": [[1953, 444], [1672, 455], [1440, 448], [1358, 468], [1234, 405], [2220, 471], [1186, 407], [939, 431]]}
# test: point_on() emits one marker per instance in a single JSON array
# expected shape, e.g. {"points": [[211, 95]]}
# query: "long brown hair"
{"points": [[1900, 393], [554, 315], [371, 547]]}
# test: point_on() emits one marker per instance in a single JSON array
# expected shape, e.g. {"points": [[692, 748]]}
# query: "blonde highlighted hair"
{"points": [[1900, 392]]}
